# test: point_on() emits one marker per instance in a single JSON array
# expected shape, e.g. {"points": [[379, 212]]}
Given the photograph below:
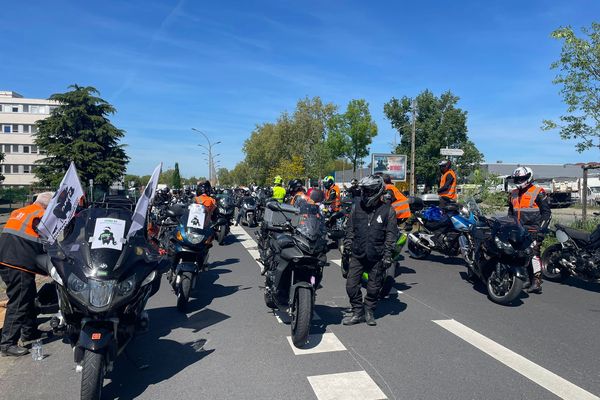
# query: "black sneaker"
{"points": [[13, 351]]}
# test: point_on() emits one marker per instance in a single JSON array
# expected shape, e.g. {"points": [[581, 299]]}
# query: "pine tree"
{"points": [[176, 179], [79, 130]]}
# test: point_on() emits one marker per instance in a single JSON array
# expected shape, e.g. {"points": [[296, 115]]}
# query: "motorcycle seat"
{"points": [[576, 234]]}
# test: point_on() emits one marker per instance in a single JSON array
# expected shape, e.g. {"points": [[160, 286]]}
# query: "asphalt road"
{"points": [[230, 346]]}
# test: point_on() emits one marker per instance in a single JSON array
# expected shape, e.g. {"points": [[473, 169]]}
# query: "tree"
{"points": [[289, 169], [579, 76], [439, 123], [225, 177], [133, 181], [176, 178], [79, 130], [240, 174], [353, 132]]}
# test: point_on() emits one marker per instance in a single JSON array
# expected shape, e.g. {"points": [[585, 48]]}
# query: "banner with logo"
{"points": [[62, 207]]}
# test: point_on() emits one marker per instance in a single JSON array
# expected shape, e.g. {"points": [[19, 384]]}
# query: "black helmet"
{"points": [[372, 189], [294, 185], [203, 188], [354, 182], [445, 165]]}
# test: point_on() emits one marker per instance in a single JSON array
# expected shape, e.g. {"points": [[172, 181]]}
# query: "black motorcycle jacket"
{"points": [[371, 233]]}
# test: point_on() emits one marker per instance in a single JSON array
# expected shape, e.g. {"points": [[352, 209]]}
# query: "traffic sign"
{"points": [[452, 152]]}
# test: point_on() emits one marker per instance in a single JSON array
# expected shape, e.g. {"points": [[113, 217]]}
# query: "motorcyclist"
{"points": [[371, 235], [247, 196], [354, 189], [332, 194], [203, 192], [447, 189], [278, 190], [529, 204], [398, 201], [296, 192]]}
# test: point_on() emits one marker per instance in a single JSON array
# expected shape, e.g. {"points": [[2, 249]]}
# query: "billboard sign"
{"points": [[452, 152], [392, 164]]}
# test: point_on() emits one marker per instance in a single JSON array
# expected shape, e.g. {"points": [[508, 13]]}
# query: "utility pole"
{"points": [[412, 149], [209, 150]]}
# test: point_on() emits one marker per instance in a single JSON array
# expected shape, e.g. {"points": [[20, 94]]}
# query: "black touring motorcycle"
{"points": [[293, 249], [102, 289]]}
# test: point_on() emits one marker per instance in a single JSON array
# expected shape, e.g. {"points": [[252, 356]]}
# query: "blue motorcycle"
{"points": [[439, 231]]}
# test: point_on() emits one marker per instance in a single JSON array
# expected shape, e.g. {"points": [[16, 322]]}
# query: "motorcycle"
{"points": [[577, 253], [295, 258], [102, 289], [438, 231], [498, 252], [248, 209], [225, 211], [190, 243]]}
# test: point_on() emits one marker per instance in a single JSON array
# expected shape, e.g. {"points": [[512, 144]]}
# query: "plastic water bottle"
{"points": [[37, 351]]}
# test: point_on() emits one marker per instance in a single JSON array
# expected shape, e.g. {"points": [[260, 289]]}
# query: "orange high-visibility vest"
{"points": [[20, 222], [400, 204], [336, 204], [525, 203], [449, 193]]}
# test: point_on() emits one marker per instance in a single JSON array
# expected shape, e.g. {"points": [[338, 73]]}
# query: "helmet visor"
{"points": [[521, 178]]}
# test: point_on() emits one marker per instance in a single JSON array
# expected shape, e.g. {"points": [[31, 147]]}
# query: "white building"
{"points": [[18, 116]]}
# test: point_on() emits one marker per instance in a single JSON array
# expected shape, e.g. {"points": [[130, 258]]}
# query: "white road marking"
{"points": [[548, 380], [320, 343], [336, 261], [284, 318], [346, 386]]}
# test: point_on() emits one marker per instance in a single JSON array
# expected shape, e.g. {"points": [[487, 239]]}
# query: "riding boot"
{"points": [[536, 287], [356, 317], [369, 317]]}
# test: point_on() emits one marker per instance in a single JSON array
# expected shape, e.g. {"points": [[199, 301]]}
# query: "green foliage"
{"points": [[289, 169], [579, 78], [176, 178], [225, 177], [79, 130], [589, 226], [352, 132], [439, 123], [240, 175], [13, 195]]}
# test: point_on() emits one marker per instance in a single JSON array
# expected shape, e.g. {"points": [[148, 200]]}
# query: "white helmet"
{"points": [[522, 176]]}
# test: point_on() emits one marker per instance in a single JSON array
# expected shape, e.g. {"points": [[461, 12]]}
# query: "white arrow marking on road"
{"points": [[548, 380], [347, 386]]}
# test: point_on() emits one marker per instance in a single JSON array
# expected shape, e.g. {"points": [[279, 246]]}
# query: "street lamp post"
{"points": [[210, 156]]}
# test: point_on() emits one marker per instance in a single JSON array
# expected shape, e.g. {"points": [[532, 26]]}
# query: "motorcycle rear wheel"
{"points": [[301, 317], [92, 375], [552, 272], [500, 296], [416, 251], [221, 235], [185, 286]]}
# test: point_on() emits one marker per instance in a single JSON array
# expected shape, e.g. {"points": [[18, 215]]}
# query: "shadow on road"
{"points": [[222, 263], [580, 284], [207, 290], [437, 258], [151, 358]]}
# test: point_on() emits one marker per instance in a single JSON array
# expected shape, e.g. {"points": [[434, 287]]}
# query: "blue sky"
{"points": [[224, 67]]}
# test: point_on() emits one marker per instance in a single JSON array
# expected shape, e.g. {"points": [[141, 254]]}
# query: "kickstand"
{"points": [[139, 363]]}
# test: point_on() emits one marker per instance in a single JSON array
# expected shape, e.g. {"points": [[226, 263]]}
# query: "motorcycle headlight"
{"points": [[101, 292], [126, 287], [506, 247], [56, 277], [75, 284], [195, 238], [149, 278], [179, 236]]}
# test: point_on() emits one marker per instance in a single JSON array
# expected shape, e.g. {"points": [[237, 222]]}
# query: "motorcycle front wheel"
{"points": [[92, 375], [504, 288], [550, 268], [301, 316], [183, 295], [221, 235]]}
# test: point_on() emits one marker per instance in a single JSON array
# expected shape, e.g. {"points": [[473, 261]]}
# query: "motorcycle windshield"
{"points": [[472, 207], [95, 240], [225, 201], [194, 222], [249, 202], [311, 223], [509, 230]]}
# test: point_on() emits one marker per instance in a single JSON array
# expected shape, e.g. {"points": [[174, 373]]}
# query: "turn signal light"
{"points": [[96, 336]]}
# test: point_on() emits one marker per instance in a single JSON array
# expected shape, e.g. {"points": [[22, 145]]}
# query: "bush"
{"points": [[588, 226], [13, 195]]}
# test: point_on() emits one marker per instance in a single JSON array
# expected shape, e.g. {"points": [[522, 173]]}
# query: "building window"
{"points": [[6, 148], [26, 149], [26, 169], [7, 128], [15, 128], [34, 149], [15, 148], [15, 108], [34, 109]]}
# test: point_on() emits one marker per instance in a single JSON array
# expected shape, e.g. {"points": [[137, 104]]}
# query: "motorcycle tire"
{"points": [[511, 294], [386, 288], [221, 236], [548, 270], [92, 375], [269, 300], [185, 287], [301, 317], [417, 252]]}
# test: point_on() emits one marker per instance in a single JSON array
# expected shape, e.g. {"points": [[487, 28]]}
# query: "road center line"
{"points": [[548, 380]]}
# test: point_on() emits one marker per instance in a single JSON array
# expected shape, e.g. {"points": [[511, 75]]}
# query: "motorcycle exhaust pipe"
{"points": [[464, 246], [416, 240]]}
